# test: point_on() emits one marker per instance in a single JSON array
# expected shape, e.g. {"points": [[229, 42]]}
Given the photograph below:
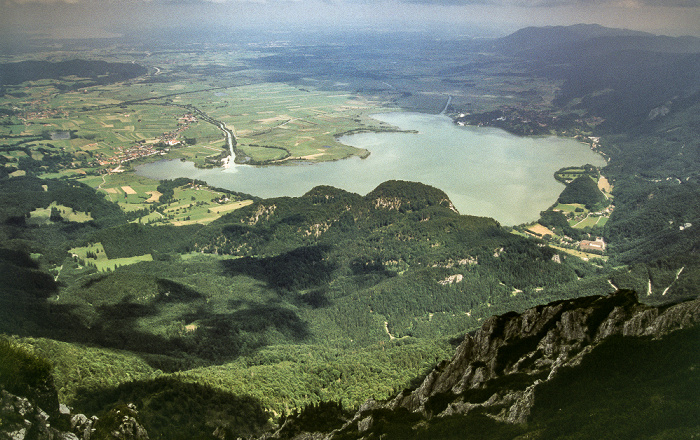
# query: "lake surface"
{"points": [[485, 171]]}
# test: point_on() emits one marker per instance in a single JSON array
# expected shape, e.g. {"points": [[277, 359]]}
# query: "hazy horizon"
{"points": [[27, 19]]}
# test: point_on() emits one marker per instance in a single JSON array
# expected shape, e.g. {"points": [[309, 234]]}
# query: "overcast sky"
{"points": [[100, 18]]}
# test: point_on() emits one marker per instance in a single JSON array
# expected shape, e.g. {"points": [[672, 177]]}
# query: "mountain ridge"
{"points": [[497, 369], [550, 41]]}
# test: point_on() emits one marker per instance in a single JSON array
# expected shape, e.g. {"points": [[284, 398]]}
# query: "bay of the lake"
{"points": [[485, 171]]}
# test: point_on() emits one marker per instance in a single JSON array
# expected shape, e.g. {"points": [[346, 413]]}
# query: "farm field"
{"points": [[66, 129], [589, 221], [191, 204], [580, 217], [276, 121]]}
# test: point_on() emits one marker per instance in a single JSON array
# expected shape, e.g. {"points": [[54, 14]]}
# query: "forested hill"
{"points": [[615, 74], [101, 72], [330, 296], [288, 301], [329, 215], [551, 41]]}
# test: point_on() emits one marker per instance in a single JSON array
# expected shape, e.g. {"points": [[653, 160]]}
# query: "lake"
{"points": [[485, 171]]}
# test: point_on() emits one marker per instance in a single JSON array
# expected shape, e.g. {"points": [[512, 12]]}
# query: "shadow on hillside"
{"points": [[301, 268], [171, 409], [216, 337]]}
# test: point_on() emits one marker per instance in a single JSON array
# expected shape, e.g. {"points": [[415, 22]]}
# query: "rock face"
{"points": [[121, 423], [22, 419], [534, 345], [497, 369]]}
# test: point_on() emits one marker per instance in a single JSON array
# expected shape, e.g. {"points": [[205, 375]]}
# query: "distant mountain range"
{"points": [[619, 75], [554, 41]]}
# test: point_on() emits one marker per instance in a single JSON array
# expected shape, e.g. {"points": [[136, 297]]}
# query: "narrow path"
{"points": [[386, 328], [678, 274], [56, 277], [100, 187], [584, 219]]}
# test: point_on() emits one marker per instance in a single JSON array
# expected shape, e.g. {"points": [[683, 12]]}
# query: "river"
{"points": [[484, 171]]}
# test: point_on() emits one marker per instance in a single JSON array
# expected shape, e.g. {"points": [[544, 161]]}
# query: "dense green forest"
{"points": [[365, 287], [331, 296]]}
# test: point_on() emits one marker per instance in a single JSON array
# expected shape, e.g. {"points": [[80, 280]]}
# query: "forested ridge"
{"points": [[331, 277], [330, 296]]}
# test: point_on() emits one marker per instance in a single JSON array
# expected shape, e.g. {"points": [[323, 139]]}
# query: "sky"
{"points": [[105, 18]]}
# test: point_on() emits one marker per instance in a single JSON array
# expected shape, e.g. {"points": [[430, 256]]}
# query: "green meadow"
{"points": [[42, 216], [94, 255], [139, 195]]}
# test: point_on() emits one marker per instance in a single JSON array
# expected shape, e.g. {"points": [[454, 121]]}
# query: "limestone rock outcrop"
{"points": [[497, 369], [22, 419]]}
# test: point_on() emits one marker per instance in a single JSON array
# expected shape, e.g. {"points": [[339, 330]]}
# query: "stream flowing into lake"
{"points": [[485, 171]]}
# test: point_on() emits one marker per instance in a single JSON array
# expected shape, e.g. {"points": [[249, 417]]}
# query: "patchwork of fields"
{"points": [[98, 128]]}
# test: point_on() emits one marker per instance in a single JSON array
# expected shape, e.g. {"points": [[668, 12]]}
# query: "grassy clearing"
{"points": [[572, 207], [604, 185], [580, 217], [589, 221], [586, 256], [41, 216], [118, 262], [94, 248], [196, 205], [94, 255], [540, 230]]}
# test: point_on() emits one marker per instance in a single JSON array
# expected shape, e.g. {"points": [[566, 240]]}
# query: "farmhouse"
{"points": [[597, 246]]}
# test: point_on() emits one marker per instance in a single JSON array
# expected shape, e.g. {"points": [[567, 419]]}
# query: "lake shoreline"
{"points": [[485, 171]]}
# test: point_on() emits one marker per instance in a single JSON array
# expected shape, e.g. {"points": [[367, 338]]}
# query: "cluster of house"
{"points": [[596, 246], [183, 123], [46, 113], [127, 154], [142, 150]]}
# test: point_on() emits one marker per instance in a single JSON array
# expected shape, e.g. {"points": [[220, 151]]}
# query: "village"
{"points": [[143, 149]]}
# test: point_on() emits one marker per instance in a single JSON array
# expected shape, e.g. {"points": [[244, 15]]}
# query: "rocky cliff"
{"points": [[22, 419], [30, 410], [497, 370]]}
